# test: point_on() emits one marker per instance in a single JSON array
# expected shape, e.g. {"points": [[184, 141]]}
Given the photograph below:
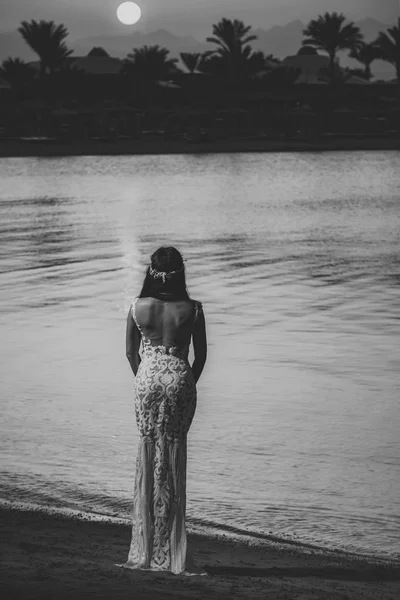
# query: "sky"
{"points": [[186, 17]]}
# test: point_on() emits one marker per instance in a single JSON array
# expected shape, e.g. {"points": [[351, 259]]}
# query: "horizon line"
{"points": [[185, 35]]}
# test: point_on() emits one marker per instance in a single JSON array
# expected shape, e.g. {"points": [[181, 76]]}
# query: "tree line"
{"points": [[231, 60]]}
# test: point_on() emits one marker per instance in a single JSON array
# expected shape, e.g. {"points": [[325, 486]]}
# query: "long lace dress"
{"points": [[165, 403]]}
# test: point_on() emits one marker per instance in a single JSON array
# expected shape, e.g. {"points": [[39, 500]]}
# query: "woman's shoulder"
{"points": [[140, 300], [142, 305]]}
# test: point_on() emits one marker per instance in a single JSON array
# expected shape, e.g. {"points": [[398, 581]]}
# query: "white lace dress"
{"points": [[165, 403]]}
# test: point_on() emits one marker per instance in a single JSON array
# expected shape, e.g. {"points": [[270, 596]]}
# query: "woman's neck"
{"points": [[167, 296]]}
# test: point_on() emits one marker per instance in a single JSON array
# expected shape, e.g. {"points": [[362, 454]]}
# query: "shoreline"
{"points": [[53, 556], [28, 148], [209, 530]]}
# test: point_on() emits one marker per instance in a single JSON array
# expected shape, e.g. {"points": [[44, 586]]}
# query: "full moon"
{"points": [[129, 13]]}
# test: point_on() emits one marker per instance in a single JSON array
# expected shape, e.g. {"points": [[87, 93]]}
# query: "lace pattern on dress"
{"points": [[165, 403]]}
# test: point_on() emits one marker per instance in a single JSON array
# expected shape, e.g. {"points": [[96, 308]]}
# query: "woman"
{"points": [[164, 319]]}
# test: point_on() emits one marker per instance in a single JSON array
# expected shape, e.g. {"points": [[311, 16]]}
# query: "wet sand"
{"points": [[15, 148], [53, 557]]}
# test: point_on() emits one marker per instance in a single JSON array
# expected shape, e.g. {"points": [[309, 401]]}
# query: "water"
{"points": [[296, 258]]}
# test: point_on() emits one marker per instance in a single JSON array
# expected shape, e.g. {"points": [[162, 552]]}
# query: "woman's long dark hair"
{"points": [[166, 259]]}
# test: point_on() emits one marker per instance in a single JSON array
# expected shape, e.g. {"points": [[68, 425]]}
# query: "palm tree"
{"points": [[47, 40], [251, 64], [232, 40], [211, 63], [388, 45], [146, 66], [19, 75], [365, 54], [231, 36], [254, 62], [329, 33], [150, 64], [16, 71]]}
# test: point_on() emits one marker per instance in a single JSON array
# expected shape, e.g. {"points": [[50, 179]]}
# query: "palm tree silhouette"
{"points": [[19, 75], [16, 71], [231, 36], [145, 67], [47, 40], [150, 64], [237, 58], [329, 33], [388, 45], [365, 54]]}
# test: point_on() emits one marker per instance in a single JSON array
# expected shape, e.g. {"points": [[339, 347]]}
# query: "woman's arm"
{"points": [[133, 338], [199, 344]]}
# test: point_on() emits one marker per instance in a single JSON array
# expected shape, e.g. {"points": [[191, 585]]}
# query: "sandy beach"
{"points": [[46, 556], [15, 148]]}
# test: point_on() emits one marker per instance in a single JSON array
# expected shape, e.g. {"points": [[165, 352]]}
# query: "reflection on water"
{"points": [[296, 260]]}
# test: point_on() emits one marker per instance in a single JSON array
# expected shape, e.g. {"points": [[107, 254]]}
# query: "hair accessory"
{"points": [[162, 274]]}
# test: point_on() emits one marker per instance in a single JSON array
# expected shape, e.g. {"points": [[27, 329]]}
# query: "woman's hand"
{"points": [[199, 343], [133, 338]]}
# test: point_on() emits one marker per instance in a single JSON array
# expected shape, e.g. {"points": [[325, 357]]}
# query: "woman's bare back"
{"points": [[167, 323]]}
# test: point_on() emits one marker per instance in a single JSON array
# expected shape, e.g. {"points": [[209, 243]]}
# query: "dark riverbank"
{"points": [[15, 148], [46, 557]]}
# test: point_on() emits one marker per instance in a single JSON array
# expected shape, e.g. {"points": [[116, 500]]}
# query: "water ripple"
{"points": [[296, 259]]}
